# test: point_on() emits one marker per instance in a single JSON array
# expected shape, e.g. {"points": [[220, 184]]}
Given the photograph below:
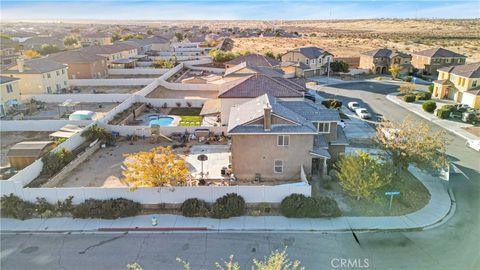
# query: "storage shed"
{"points": [[25, 153]]}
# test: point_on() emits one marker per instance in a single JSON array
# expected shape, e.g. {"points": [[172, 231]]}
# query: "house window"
{"points": [[313, 61], [322, 127], [65, 83], [447, 60], [49, 89], [278, 166], [306, 61], [48, 75], [9, 88], [58, 73], [283, 140], [63, 71], [474, 83], [58, 87]]}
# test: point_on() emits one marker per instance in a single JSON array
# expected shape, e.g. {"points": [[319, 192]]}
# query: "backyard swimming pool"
{"points": [[159, 120]]}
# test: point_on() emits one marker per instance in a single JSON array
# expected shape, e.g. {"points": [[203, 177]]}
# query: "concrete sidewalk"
{"points": [[434, 212], [454, 127]]}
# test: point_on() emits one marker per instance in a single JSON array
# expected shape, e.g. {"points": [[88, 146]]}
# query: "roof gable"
{"points": [[256, 85]]}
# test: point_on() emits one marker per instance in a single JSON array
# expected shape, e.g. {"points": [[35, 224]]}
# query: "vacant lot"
{"points": [[348, 38]]}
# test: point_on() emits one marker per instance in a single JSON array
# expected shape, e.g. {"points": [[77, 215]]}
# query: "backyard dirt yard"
{"points": [[53, 111], [162, 92], [109, 89], [9, 139], [347, 38]]}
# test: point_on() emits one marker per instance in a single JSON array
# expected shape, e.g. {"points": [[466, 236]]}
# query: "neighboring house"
{"points": [[148, 44], [246, 88], [253, 59], [100, 38], [113, 52], [9, 94], [245, 69], [460, 83], [428, 61], [273, 138], [82, 65], [311, 61], [36, 43], [7, 55], [379, 61], [39, 76]]}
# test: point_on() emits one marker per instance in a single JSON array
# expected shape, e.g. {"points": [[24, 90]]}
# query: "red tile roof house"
{"points": [[428, 61], [253, 59], [272, 138], [308, 61], [252, 86]]}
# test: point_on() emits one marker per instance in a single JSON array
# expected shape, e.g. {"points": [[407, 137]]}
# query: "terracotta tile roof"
{"points": [[254, 59], [256, 85], [438, 52], [468, 70]]}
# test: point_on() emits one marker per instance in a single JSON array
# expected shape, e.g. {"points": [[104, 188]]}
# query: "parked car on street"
{"points": [[474, 144], [363, 113], [353, 105]]}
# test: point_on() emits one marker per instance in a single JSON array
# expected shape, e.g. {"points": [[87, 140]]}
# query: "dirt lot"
{"points": [[52, 111], [162, 92], [109, 89], [347, 38], [9, 139]]}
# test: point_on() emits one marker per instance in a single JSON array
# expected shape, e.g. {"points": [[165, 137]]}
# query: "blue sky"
{"points": [[235, 10]]}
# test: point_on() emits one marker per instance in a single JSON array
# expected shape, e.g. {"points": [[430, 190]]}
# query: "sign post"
{"points": [[391, 194]]}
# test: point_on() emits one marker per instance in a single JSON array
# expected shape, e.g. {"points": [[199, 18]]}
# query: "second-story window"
{"points": [[322, 127], [48, 75], [306, 61], [283, 140], [58, 73], [474, 83], [9, 88], [313, 61]]}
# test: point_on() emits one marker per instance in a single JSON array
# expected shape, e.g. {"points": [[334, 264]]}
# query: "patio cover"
{"points": [[211, 106], [28, 149], [66, 131]]}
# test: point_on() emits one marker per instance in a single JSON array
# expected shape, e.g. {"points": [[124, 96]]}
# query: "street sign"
{"points": [[391, 194]]}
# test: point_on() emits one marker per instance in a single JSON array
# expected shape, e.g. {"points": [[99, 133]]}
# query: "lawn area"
{"points": [[189, 116], [413, 196]]}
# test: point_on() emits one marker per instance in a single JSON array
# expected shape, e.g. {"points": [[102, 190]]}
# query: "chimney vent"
{"points": [[267, 118]]}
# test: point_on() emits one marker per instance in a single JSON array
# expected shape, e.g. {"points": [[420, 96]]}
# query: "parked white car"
{"points": [[363, 113], [353, 106], [474, 144]]}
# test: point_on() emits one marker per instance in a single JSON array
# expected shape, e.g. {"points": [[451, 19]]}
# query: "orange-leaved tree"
{"points": [[158, 167]]}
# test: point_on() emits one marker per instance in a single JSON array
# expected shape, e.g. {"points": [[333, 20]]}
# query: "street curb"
{"points": [[451, 212], [166, 229], [392, 98]]}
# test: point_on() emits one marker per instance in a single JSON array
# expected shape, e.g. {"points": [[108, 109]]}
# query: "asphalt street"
{"points": [[453, 245]]}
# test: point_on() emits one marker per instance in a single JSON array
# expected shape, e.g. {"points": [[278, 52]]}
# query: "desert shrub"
{"points": [[409, 98], [332, 103], [430, 88], [194, 208], [300, 206], [230, 205], [408, 79], [107, 209], [13, 206], [66, 206], [423, 96], [443, 114], [42, 206], [95, 132], [53, 162], [429, 106]]}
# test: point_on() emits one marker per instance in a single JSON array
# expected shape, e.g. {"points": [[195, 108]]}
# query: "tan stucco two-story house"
{"points": [[273, 138], [113, 52], [428, 61], [379, 61], [307, 61], [39, 76], [9, 94], [460, 83], [82, 65]]}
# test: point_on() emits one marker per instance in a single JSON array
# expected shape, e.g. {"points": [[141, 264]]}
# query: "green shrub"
{"points": [[409, 98], [408, 79], [300, 206], [443, 114], [107, 209], [13, 206], [423, 96], [450, 108], [66, 206], [230, 205], [95, 132], [194, 208], [429, 106], [430, 88], [332, 103], [53, 162]]}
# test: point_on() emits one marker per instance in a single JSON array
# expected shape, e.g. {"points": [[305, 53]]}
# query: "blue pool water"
{"points": [[160, 120]]}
